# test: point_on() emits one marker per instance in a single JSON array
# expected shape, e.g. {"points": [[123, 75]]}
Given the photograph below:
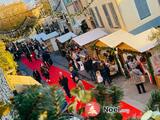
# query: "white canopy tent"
{"points": [[52, 35], [39, 37], [90, 36], [140, 42], [64, 38], [146, 43], [116, 38]]}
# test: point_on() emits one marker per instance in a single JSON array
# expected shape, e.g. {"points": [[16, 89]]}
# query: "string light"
{"points": [[55, 13]]}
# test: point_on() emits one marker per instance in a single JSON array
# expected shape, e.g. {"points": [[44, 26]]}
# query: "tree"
{"points": [[108, 97], [155, 35], [154, 101], [41, 103], [105, 96], [7, 62]]}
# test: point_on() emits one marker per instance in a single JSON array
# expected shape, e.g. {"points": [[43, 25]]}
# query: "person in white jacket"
{"points": [[99, 77], [138, 80]]}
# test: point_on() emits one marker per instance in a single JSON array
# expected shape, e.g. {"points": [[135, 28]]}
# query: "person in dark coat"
{"points": [[47, 59], [36, 76], [74, 74], [45, 72], [90, 69], [63, 81], [28, 55], [106, 73]]}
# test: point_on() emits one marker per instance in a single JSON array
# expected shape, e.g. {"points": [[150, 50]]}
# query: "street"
{"points": [[131, 95]]}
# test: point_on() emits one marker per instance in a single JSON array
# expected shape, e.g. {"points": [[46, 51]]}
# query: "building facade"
{"points": [[139, 15], [75, 7], [134, 16], [105, 13], [5, 94]]}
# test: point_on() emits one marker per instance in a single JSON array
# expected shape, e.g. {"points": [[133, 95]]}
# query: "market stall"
{"points": [[89, 39], [63, 41], [39, 37], [112, 41], [153, 48], [131, 45], [50, 41], [155, 59]]}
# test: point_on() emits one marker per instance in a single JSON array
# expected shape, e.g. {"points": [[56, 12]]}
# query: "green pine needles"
{"points": [[40, 103]]}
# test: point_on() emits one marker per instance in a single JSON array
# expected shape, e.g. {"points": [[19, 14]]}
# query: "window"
{"points": [[98, 17], [94, 17], [76, 6], [67, 1], [107, 16], [114, 15], [143, 9]]}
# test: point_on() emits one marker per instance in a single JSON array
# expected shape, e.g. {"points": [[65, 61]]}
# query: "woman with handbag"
{"points": [[139, 80]]}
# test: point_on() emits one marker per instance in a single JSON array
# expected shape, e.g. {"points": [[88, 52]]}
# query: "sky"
{"points": [[30, 3], [11, 1]]}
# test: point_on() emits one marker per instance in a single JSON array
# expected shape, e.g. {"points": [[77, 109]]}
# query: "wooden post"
{"points": [[151, 71]]}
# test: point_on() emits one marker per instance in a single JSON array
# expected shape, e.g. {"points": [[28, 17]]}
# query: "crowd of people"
{"points": [[80, 60], [101, 71], [32, 50]]}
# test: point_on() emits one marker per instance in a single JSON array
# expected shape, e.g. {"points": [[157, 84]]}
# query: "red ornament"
{"points": [[92, 109]]}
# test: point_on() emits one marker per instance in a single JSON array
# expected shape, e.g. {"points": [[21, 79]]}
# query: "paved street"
{"points": [[131, 95]]}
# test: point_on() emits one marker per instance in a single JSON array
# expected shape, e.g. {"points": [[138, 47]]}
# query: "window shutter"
{"points": [[94, 17], [142, 8], [99, 17], [107, 15]]}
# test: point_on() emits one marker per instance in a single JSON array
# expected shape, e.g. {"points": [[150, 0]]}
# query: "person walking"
{"points": [[45, 72], [105, 72], [99, 77], [63, 81], [139, 80], [89, 67], [74, 74], [36, 76], [28, 56], [47, 59], [37, 56]]}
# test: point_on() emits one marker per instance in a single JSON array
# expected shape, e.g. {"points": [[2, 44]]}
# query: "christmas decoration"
{"points": [[59, 14], [108, 97], [40, 102], [6, 59], [153, 103]]}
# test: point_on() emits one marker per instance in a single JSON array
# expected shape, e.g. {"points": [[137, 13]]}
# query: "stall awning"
{"points": [[121, 38], [44, 36], [39, 37], [116, 38], [101, 44], [90, 36], [52, 35], [17, 81], [64, 38], [144, 38]]}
